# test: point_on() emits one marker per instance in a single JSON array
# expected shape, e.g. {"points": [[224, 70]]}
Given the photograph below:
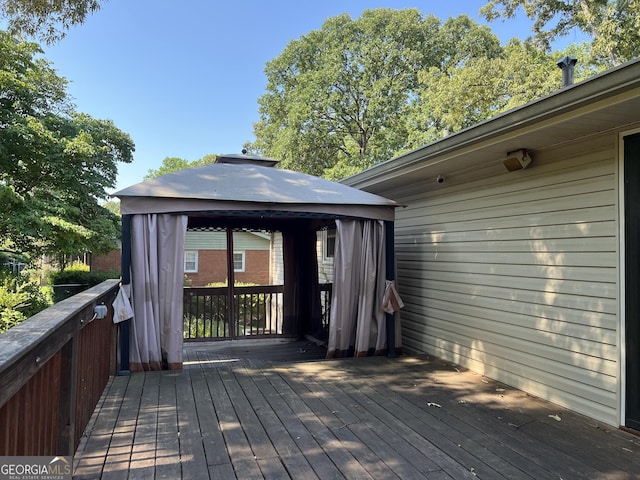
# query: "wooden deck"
{"points": [[235, 412]]}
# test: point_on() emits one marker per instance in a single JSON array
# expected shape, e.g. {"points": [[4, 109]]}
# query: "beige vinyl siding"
{"points": [[276, 259], [217, 240], [325, 265], [514, 275]]}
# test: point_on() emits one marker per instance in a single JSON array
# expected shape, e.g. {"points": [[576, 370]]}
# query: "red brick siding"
{"points": [[212, 267], [256, 266], [109, 261]]}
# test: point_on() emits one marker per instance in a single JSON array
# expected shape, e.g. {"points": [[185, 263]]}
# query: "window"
{"points": [[329, 245], [191, 261], [238, 261]]}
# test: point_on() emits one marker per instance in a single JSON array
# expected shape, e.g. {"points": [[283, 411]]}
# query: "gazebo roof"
{"points": [[244, 183]]}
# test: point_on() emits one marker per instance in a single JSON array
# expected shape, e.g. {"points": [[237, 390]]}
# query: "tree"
{"points": [[55, 163], [173, 164], [460, 96], [612, 25], [337, 99], [113, 206], [45, 19]]}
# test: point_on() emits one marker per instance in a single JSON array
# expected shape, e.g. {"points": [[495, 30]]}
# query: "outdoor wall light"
{"points": [[517, 160]]}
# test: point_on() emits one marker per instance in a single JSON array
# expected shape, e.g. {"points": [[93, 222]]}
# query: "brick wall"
{"points": [[212, 267], [109, 261], [256, 268]]}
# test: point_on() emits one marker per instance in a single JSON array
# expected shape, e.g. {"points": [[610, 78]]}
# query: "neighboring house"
{"points": [[529, 275], [276, 274], [325, 245], [108, 261], [205, 257], [325, 248]]}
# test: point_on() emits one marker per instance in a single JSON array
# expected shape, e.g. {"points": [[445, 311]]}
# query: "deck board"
{"points": [[279, 411]]}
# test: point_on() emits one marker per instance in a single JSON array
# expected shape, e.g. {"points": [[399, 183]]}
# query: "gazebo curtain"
{"points": [[357, 318], [157, 271]]}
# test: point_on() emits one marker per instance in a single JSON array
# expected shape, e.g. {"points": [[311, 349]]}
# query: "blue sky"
{"points": [[183, 78]]}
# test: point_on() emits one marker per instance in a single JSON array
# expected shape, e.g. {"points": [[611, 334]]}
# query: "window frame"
{"points": [[327, 256], [244, 260], [187, 252]]}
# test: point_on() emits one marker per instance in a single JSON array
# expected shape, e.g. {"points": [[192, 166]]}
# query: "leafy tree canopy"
{"points": [[612, 25], [113, 206], [338, 98], [55, 163], [46, 19], [460, 96], [173, 164]]}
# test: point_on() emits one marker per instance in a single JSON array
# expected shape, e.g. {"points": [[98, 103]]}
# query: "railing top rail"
{"points": [[43, 334]]}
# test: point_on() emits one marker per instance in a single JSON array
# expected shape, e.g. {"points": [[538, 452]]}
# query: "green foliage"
{"points": [[76, 278], [113, 206], [55, 164], [362, 91], [612, 25], [463, 95], [174, 164], [20, 298], [81, 277], [337, 99], [202, 327], [44, 18]]}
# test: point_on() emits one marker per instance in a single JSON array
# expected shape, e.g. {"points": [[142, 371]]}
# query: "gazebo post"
{"points": [[231, 281], [125, 262], [291, 294], [391, 274]]}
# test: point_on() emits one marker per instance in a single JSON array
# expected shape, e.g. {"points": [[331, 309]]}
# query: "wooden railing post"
{"points": [[67, 402]]}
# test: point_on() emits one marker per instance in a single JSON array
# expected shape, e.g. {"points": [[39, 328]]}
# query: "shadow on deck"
{"points": [[235, 413]]}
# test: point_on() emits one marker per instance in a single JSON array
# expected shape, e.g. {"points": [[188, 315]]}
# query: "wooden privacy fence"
{"points": [[256, 312], [53, 369]]}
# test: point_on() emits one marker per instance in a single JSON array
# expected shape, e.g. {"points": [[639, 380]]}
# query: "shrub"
{"points": [[78, 275], [63, 277], [20, 298]]}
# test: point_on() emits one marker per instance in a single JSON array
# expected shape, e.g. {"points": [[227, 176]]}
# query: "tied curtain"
{"points": [[357, 325], [157, 271]]}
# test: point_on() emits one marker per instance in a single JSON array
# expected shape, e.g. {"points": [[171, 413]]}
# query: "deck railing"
{"points": [[53, 369], [257, 312]]}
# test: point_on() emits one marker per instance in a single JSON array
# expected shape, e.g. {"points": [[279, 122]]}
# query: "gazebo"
{"points": [[242, 191]]}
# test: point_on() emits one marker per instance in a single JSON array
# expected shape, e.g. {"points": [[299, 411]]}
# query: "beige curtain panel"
{"points": [[157, 271], [357, 325]]}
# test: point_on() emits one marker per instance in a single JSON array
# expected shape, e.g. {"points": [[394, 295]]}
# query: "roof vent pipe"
{"points": [[567, 64]]}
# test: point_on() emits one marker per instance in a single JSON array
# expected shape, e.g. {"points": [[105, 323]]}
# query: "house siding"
{"points": [[217, 240], [212, 257], [325, 265], [515, 275], [108, 261], [276, 272], [212, 268]]}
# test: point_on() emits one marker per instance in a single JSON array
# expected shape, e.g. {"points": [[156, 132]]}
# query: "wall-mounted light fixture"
{"points": [[517, 160]]}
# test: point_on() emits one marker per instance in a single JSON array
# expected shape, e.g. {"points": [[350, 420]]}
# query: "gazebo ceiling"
{"points": [[246, 186]]}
